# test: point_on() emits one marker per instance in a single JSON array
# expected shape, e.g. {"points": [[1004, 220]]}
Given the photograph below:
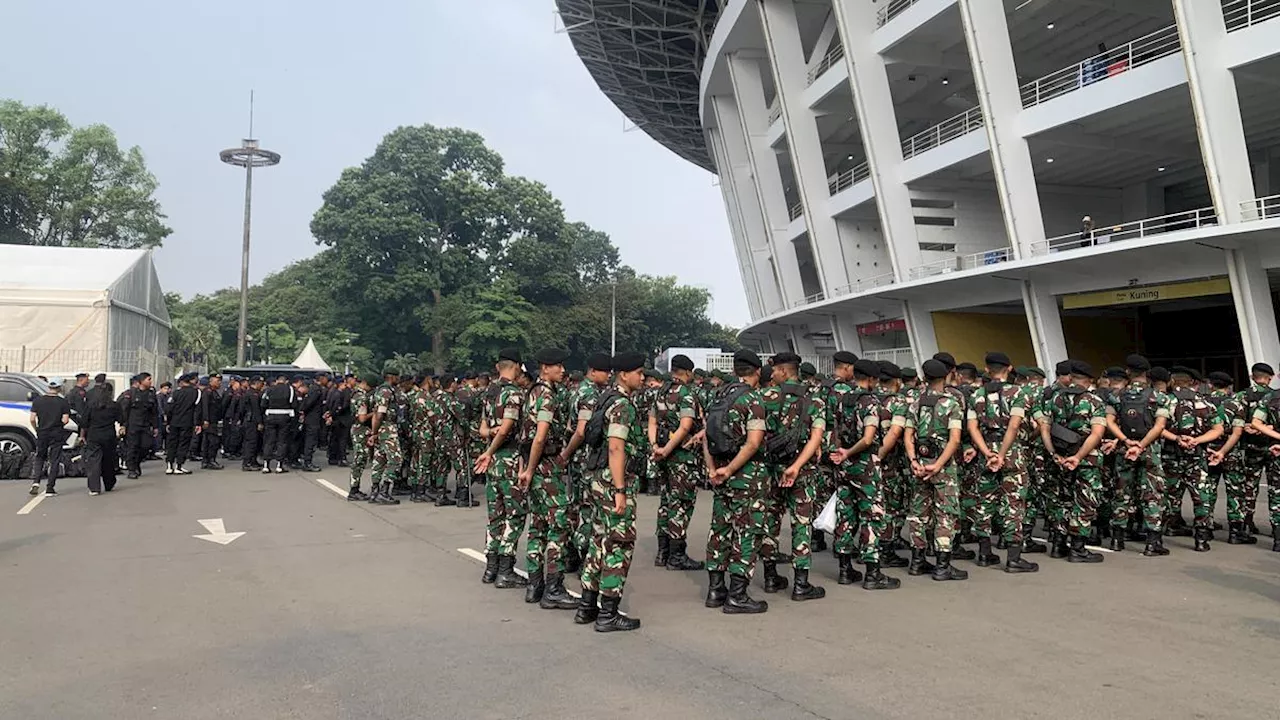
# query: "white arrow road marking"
{"points": [[332, 487], [479, 556], [31, 504], [217, 532]]}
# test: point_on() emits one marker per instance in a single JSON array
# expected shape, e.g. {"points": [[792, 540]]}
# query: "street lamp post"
{"points": [[247, 156]]}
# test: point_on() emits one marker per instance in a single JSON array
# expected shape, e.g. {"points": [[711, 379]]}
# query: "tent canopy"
{"points": [[310, 358]]}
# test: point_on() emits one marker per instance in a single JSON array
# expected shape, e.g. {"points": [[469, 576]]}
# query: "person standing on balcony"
{"points": [[1086, 231]]}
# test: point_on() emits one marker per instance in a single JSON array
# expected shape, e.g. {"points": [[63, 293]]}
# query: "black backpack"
{"points": [[784, 446], [1136, 417], [463, 409], [994, 426], [722, 441], [848, 429], [593, 436]]}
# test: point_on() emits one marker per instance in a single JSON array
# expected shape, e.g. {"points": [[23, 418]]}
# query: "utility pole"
{"points": [[613, 320]]}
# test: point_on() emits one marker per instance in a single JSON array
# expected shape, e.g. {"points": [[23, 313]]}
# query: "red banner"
{"points": [[883, 326]]}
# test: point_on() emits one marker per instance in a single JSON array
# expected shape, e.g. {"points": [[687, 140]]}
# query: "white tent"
{"points": [[310, 358], [67, 310]]}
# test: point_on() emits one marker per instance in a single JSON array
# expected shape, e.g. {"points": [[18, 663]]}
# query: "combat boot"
{"points": [[444, 500], [425, 493], [943, 570], [802, 590], [986, 558], [587, 610], [355, 495], [416, 495], [1252, 527], [891, 559], [1001, 543], [555, 597], [819, 541], [490, 568], [739, 602], [374, 491], [1080, 554], [1240, 536], [717, 593], [1029, 545], [664, 550], [876, 580], [609, 619], [1117, 539], [1015, 563], [1155, 544], [1201, 539], [773, 582], [384, 495], [918, 565], [1177, 527], [679, 558], [507, 576], [534, 591], [958, 552], [848, 575], [1058, 547], [572, 559], [1275, 544]]}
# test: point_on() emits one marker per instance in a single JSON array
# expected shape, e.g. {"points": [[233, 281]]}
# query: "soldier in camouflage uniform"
{"points": [[960, 386], [672, 420], [362, 411], [1266, 420], [934, 425], [1032, 380], [1055, 497], [1227, 456], [1136, 417], [443, 451], [1075, 421], [473, 445], [824, 482], [1115, 496], [384, 436], [643, 401], [893, 470], [506, 501], [1195, 423], [999, 426], [860, 509], [424, 418], [613, 489], [582, 403], [1256, 446]]}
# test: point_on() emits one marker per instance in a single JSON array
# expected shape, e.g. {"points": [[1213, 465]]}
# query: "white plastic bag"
{"points": [[826, 520]]}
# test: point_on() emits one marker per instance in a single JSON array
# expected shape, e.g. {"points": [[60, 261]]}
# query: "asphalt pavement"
{"points": [[329, 609]]}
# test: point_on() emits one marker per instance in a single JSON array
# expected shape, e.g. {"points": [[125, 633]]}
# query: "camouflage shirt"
{"points": [[748, 414], [1231, 413], [893, 412], [622, 421], [994, 406], [392, 405], [542, 406], [674, 403], [504, 401], [933, 425], [359, 406], [1160, 405], [1077, 409], [791, 404], [1193, 414]]}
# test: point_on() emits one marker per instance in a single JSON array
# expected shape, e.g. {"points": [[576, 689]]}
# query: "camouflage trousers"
{"points": [[1085, 487], [583, 507], [359, 456], [737, 524], [1058, 492], [935, 505], [1038, 469], [897, 493], [1273, 491], [424, 451], [678, 480], [1251, 467], [970, 499], [550, 500], [797, 502], [1139, 488], [860, 516], [1003, 494], [387, 458], [505, 502], [613, 537], [1188, 472]]}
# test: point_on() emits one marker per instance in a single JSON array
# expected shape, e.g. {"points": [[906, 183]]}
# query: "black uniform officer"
{"points": [[182, 416], [138, 413], [212, 415], [251, 424], [313, 409], [279, 408]]}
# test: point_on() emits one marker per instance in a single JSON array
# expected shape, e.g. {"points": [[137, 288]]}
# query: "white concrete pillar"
{"points": [[996, 81], [748, 90], [924, 341], [873, 105], [742, 202], [845, 332], [1254, 310], [803, 345], [786, 55], [1045, 323], [1216, 106]]}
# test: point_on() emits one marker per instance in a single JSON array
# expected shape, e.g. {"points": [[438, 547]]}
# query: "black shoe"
{"points": [[133, 475], [490, 568], [50, 492], [958, 552], [533, 591], [876, 580], [819, 541], [1238, 535], [1275, 545], [1217, 525], [773, 582], [1202, 539], [1058, 547], [1015, 563], [1117, 539], [801, 589], [848, 575], [918, 565], [717, 593], [35, 489], [891, 559], [944, 571], [610, 620], [1155, 544], [211, 466], [679, 559], [444, 500], [664, 550], [426, 493], [355, 495], [587, 610], [1001, 543], [572, 559], [739, 602], [1252, 527], [384, 496], [555, 597], [310, 468], [1029, 545], [986, 558], [1079, 554], [415, 496], [507, 576]]}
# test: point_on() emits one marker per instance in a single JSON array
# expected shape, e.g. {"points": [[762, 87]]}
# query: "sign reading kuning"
{"points": [[1148, 293]]}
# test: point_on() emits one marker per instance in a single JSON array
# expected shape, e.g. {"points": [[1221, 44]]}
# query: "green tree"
{"points": [[495, 317], [72, 187]]}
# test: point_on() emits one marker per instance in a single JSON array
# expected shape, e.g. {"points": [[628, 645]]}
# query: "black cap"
{"points": [[1184, 370], [997, 359], [100, 378], [681, 362], [1159, 373], [866, 368], [807, 370], [1220, 379], [1082, 368], [373, 380], [889, 371], [785, 358], [552, 356], [700, 373], [946, 359], [934, 369], [628, 361], [844, 357], [967, 367], [651, 374], [1137, 363], [600, 361], [1263, 368], [1062, 368], [80, 375], [766, 374], [746, 357], [1115, 372], [257, 378], [908, 373], [511, 354]]}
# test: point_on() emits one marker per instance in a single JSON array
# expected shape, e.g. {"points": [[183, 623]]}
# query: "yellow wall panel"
{"points": [[970, 336]]}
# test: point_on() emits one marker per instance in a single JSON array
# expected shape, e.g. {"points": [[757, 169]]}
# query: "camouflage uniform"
{"points": [[1054, 490], [504, 499], [1139, 482], [1231, 413], [446, 435], [1077, 409], [824, 479], [1185, 470], [1268, 412], [740, 503], [424, 421], [1002, 493], [1255, 453], [581, 514], [894, 472], [935, 501], [549, 494], [677, 475], [860, 514], [359, 434], [797, 500], [613, 535], [388, 458], [968, 472]]}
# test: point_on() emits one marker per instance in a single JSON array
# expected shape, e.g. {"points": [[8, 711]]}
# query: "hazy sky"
{"points": [[173, 76]]}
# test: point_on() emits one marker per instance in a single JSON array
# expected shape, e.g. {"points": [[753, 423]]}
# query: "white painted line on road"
{"points": [[479, 557], [1094, 547], [32, 503], [337, 490]]}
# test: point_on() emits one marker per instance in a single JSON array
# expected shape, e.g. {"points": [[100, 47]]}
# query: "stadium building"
{"points": [[1054, 178]]}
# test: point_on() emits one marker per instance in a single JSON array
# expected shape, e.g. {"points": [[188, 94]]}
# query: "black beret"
{"points": [[700, 373], [512, 354], [908, 373], [766, 374], [1159, 373], [934, 369], [1220, 379], [844, 357], [298, 378], [552, 356], [889, 371], [1082, 368], [807, 370], [785, 357], [651, 374], [80, 375], [627, 361], [866, 368], [135, 378], [100, 378], [1115, 372], [1062, 368], [999, 359], [946, 359], [373, 380], [681, 362], [1182, 370], [600, 361], [967, 367], [746, 357], [257, 378], [1262, 368]]}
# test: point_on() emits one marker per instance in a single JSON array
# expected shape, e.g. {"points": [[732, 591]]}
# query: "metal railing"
{"points": [[52, 362], [865, 284], [893, 9], [902, 357], [810, 299], [1243, 13], [1127, 231], [1146, 49], [796, 211], [724, 361], [849, 178], [944, 132], [833, 55], [1263, 208], [775, 111], [961, 263]]}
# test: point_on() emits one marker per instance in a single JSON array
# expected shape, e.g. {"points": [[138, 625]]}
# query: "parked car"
{"points": [[17, 390]]}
